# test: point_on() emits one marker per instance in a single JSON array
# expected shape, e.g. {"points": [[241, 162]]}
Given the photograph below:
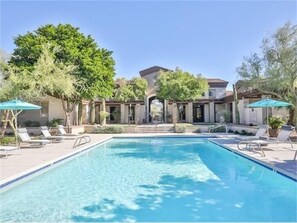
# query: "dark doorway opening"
{"points": [[198, 112], [181, 112]]}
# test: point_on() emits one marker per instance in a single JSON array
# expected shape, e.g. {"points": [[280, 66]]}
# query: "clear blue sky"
{"points": [[208, 37]]}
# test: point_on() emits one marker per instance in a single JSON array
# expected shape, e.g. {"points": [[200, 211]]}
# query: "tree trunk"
{"points": [[4, 120], [174, 113], [67, 108], [237, 118], [292, 117], [75, 115], [92, 112], [80, 112]]}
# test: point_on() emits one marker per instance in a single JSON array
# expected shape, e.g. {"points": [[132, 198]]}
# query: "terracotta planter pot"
{"points": [[273, 132]]}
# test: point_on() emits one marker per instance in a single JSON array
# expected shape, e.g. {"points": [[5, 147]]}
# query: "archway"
{"points": [[149, 108]]}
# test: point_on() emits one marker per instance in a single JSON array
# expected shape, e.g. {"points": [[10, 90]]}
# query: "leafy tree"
{"points": [[130, 90], [180, 86], [95, 66], [134, 89], [123, 91], [139, 87], [274, 71], [38, 83]]}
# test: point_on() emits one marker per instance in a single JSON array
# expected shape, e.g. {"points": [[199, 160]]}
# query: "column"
{"points": [[234, 112], [165, 111], [122, 113], [97, 120], [174, 113], [190, 112], [137, 113], [211, 112]]}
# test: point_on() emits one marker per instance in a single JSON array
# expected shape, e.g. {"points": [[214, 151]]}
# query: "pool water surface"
{"points": [[153, 179]]}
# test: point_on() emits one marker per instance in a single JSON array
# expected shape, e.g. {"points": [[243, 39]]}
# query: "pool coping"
{"points": [[30, 172]]}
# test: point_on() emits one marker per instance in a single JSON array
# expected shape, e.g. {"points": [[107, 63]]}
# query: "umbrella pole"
{"points": [[16, 128], [267, 116], [267, 122]]}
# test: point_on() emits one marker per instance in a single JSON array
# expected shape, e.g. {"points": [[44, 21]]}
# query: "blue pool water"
{"points": [[153, 179]]}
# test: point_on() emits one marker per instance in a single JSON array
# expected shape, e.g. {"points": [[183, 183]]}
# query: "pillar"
{"points": [[189, 117], [211, 112], [137, 114], [122, 113]]}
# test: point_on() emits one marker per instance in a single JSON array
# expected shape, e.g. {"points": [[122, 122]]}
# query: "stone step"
{"points": [[154, 129]]}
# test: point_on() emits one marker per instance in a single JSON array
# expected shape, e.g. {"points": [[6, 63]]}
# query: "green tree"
{"points": [[123, 91], [130, 90], [180, 86], [134, 89], [95, 66], [274, 71], [39, 82]]}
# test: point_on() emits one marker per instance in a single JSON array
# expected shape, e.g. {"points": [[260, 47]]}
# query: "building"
{"points": [[216, 103], [207, 109]]}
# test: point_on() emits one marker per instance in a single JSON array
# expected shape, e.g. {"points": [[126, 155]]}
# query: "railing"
{"points": [[81, 140], [219, 126]]}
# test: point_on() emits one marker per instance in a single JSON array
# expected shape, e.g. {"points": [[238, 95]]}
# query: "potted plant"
{"points": [[275, 122]]}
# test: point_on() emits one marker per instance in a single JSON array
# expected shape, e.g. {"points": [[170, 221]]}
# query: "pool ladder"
{"points": [[218, 126], [81, 140]]}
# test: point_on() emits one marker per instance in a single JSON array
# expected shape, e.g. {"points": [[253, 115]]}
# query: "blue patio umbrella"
{"points": [[16, 105], [268, 103]]}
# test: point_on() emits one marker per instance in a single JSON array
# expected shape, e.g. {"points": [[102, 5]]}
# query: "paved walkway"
{"points": [[278, 156]]}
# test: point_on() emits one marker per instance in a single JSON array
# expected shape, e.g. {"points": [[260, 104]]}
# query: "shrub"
{"points": [[230, 131], [197, 130], [236, 132], [275, 122], [108, 130], [30, 123], [180, 129], [117, 115], [7, 140], [103, 115], [55, 122], [226, 116], [243, 132]]}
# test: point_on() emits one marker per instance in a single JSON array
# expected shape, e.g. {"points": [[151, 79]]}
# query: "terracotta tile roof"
{"points": [[212, 82]]}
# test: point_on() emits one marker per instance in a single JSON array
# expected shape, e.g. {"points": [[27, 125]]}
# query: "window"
{"points": [[212, 92]]}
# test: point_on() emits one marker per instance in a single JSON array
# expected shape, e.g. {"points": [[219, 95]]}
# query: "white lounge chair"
{"points": [[260, 134], [47, 135], [25, 138], [246, 140], [62, 132], [283, 137], [7, 149]]}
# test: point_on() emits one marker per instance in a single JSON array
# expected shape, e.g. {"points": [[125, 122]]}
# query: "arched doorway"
{"points": [[149, 108]]}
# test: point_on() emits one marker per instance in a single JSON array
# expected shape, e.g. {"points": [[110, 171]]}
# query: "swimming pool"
{"points": [[153, 179]]}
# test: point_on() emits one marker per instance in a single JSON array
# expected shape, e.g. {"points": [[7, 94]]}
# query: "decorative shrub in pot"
{"points": [[275, 123]]}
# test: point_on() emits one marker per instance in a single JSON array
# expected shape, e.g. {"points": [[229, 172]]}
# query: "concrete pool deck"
{"points": [[278, 156]]}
